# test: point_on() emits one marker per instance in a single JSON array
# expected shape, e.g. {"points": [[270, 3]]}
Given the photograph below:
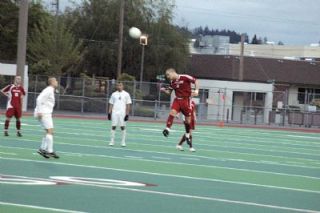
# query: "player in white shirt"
{"points": [[119, 107], [43, 112]]}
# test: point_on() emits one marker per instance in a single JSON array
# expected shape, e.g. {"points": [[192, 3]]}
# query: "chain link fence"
{"points": [[91, 95]]}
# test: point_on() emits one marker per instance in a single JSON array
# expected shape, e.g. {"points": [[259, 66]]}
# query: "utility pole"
{"points": [[56, 4], [120, 42], [143, 43], [241, 68], [22, 38]]}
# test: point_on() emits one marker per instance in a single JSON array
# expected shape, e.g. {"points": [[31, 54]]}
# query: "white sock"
{"points": [[49, 139], [43, 144], [113, 134], [123, 133], [188, 135]]}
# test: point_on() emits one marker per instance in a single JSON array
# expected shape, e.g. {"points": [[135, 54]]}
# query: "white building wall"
{"points": [[293, 96], [219, 106]]}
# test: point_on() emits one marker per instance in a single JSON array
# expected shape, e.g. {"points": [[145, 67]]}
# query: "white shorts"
{"points": [[46, 121], [117, 119]]}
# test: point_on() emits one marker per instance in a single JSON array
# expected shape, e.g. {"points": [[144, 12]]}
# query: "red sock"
{"points": [[170, 121], [18, 125], [6, 125]]}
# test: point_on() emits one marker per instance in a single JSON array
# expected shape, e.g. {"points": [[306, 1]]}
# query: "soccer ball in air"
{"points": [[134, 32]]}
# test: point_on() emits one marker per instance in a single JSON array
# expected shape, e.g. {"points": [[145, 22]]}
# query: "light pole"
{"points": [[143, 43]]}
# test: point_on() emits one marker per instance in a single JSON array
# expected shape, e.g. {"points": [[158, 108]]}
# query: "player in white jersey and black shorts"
{"points": [[43, 112], [118, 112]]}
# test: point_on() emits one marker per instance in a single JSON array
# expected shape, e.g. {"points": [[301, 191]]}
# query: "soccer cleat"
{"points": [[123, 144], [111, 144], [192, 149], [43, 153], [19, 134], [6, 133], [165, 132], [53, 155], [179, 148]]}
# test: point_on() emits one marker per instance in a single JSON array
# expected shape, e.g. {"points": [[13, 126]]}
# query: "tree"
{"points": [[8, 30], [52, 49], [280, 43], [96, 23], [9, 12], [254, 39]]}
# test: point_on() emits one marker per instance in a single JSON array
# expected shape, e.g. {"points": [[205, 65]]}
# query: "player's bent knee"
{"points": [[173, 112]]}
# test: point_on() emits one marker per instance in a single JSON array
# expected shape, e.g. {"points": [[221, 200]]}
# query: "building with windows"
{"points": [[268, 85]]}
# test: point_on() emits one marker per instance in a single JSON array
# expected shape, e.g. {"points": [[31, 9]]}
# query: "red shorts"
{"points": [[16, 112], [183, 106]]}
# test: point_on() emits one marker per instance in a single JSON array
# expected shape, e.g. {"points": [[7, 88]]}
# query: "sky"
{"points": [[294, 22]]}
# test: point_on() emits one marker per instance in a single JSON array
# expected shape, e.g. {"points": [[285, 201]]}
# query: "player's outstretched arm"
{"points": [[197, 86]]}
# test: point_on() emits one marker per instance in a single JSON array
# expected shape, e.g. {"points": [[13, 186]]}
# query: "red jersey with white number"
{"points": [[182, 86], [14, 95]]}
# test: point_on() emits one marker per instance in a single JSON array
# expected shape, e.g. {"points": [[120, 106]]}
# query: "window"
{"points": [[301, 95], [306, 95], [317, 93], [259, 96]]}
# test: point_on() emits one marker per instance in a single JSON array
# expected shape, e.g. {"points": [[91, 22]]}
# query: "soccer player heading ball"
{"points": [[119, 108], [181, 84], [15, 93]]}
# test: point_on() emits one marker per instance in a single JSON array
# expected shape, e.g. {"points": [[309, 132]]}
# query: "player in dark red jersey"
{"points": [[15, 94], [181, 84], [192, 127]]}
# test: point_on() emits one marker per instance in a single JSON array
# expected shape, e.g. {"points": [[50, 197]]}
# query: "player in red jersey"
{"points": [[192, 127], [15, 94], [181, 84]]}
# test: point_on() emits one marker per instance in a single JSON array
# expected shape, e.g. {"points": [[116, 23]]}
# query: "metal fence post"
{"points": [[134, 97], [155, 109], [108, 93], [58, 102], [35, 92], [224, 103], [82, 98]]}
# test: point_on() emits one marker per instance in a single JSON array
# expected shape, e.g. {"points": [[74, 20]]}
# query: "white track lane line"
{"points": [[38, 207]]}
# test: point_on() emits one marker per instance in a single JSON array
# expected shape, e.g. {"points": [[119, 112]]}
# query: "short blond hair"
{"points": [[171, 70], [50, 79]]}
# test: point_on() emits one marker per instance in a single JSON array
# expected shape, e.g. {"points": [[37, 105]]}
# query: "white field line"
{"points": [[85, 134], [210, 136], [38, 207], [165, 175], [176, 154], [8, 153], [203, 134], [179, 163]]}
